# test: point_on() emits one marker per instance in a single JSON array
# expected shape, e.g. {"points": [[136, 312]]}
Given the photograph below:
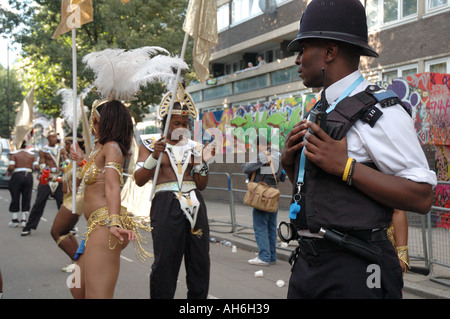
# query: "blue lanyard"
{"points": [[350, 89], [295, 207]]}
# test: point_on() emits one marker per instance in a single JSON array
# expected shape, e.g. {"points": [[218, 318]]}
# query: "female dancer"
{"points": [[110, 227], [66, 220]]}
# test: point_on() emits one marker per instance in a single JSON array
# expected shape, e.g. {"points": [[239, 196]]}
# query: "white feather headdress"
{"points": [[47, 124], [120, 74], [67, 107]]}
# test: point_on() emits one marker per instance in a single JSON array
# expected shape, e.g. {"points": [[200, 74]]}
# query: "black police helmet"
{"points": [[341, 20]]}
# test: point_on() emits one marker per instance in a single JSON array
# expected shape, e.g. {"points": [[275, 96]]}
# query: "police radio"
{"points": [[318, 115]]}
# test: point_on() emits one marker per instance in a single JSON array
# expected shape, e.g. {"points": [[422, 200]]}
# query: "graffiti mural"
{"points": [[427, 95], [281, 114]]}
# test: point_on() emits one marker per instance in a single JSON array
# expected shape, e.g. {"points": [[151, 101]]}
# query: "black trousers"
{"points": [[172, 239], [43, 192], [20, 187], [340, 274]]}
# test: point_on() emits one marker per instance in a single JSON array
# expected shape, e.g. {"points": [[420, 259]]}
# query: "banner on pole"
{"points": [[24, 119], [74, 13], [201, 24]]}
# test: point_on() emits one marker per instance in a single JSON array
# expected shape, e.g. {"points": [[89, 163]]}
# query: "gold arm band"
{"points": [[60, 239], [114, 220], [402, 253]]}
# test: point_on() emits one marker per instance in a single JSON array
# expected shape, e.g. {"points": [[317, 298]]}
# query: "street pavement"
{"points": [[31, 266]]}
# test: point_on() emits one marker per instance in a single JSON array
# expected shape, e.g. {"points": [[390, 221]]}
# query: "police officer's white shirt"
{"points": [[392, 144]]}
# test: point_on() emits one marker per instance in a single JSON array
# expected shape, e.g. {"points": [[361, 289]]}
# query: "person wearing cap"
{"points": [[21, 164], [348, 185], [51, 157]]}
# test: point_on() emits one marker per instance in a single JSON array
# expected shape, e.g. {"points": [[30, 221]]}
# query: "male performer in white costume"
{"points": [[178, 213], [50, 157]]}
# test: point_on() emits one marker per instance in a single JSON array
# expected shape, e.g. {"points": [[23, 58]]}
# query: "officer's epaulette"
{"points": [[386, 98]]}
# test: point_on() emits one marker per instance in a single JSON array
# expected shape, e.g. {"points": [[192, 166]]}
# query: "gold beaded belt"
{"points": [[100, 217]]}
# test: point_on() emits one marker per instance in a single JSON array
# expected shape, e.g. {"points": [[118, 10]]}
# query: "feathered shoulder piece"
{"points": [[119, 74]]}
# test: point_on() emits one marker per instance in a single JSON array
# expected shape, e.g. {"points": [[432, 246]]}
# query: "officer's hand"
{"points": [[327, 153], [159, 147], [293, 143]]}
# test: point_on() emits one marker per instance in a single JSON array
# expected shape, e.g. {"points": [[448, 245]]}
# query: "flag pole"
{"points": [[74, 125], [169, 115]]}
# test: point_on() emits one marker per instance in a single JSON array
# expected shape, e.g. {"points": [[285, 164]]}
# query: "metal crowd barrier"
{"points": [[428, 235], [232, 221], [438, 225]]}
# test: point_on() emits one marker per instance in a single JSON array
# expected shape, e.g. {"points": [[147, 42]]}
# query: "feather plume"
{"points": [[67, 107], [47, 124], [120, 74]]}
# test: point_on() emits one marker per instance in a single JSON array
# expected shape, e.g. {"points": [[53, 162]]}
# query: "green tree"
{"points": [[16, 97], [47, 63]]}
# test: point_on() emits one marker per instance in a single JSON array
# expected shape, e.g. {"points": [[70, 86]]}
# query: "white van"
{"points": [[4, 162]]}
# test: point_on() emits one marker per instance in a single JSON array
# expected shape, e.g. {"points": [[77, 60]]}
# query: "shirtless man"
{"points": [[49, 157], [21, 164], [178, 212]]}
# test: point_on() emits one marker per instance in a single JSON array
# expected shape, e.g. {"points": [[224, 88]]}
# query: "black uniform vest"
{"points": [[327, 201]]}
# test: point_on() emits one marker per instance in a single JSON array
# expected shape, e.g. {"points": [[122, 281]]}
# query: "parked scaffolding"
{"points": [[428, 235]]}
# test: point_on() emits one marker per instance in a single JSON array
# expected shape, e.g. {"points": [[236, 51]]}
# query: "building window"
{"points": [[217, 92], [223, 17], [197, 96], [244, 9], [438, 66], [432, 4], [409, 7], [401, 72], [380, 13], [284, 76], [254, 83]]}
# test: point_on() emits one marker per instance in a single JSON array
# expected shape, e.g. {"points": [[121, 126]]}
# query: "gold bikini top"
{"points": [[88, 173]]}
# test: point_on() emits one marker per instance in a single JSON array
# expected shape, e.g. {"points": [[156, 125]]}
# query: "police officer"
{"points": [[347, 177]]}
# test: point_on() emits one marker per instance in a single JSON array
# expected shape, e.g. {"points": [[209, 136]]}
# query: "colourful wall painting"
{"points": [[281, 114], [427, 94]]}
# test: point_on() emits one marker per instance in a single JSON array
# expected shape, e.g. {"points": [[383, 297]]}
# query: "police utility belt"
{"points": [[361, 243]]}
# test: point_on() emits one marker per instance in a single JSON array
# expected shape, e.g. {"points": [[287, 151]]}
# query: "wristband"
{"points": [[202, 169], [402, 253], [114, 220], [150, 163], [347, 169], [350, 172]]}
